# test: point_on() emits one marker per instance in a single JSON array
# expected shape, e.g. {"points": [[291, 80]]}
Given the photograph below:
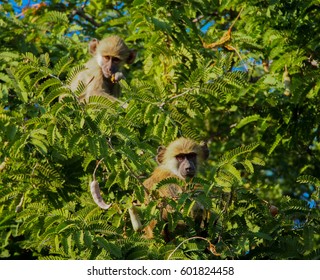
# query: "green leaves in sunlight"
{"points": [[255, 104]]}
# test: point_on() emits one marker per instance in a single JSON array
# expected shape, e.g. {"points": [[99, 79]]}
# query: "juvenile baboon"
{"points": [[103, 70], [180, 160]]}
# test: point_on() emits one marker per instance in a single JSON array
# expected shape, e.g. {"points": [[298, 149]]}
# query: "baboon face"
{"points": [[187, 164], [109, 65], [111, 54], [182, 156]]}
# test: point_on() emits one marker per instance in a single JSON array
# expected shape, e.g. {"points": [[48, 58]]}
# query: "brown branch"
{"points": [[225, 38], [81, 13]]}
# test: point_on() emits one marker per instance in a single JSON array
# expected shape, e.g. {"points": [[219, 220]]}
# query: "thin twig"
{"points": [[184, 241], [94, 171], [236, 19]]}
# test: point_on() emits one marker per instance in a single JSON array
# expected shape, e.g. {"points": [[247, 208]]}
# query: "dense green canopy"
{"points": [[253, 96]]}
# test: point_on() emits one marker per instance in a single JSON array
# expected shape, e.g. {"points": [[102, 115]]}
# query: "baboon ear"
{"points": [[205, 150], [93, 44], [131, 57], [160, 154]]}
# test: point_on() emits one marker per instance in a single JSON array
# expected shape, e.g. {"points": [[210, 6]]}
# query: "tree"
{"points": [[254, 97]]}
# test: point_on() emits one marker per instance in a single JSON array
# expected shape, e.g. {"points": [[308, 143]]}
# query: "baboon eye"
{"points": [[107, 57], [192, 156], [116, 59], [180, 157]]}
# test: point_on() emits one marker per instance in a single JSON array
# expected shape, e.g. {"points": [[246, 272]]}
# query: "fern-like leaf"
{"points": [[231, 155], [309, 179], [247, 120]]}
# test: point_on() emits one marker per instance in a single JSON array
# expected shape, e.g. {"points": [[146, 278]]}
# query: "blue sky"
{"points": [[18, 8]]}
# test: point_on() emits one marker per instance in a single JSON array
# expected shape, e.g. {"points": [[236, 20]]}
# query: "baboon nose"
{"points": [[190, 172]]}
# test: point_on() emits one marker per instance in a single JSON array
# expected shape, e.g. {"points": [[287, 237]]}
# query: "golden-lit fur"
{"points": [[168, 164], [95, 83], [113, 46], [95, 77], [184, 146], [169, 167]]}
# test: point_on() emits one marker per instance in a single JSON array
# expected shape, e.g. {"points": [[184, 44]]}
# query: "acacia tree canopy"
{"points": [[242, 76]]}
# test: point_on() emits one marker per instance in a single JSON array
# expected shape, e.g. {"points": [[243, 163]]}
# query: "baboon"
{"points": [[103, 70], [180, 160]]}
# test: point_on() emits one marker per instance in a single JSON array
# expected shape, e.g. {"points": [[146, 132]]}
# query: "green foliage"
{"points": [[263, 135]]}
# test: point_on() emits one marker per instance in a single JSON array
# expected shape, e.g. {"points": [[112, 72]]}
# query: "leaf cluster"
{"points": [[256, 105]]}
